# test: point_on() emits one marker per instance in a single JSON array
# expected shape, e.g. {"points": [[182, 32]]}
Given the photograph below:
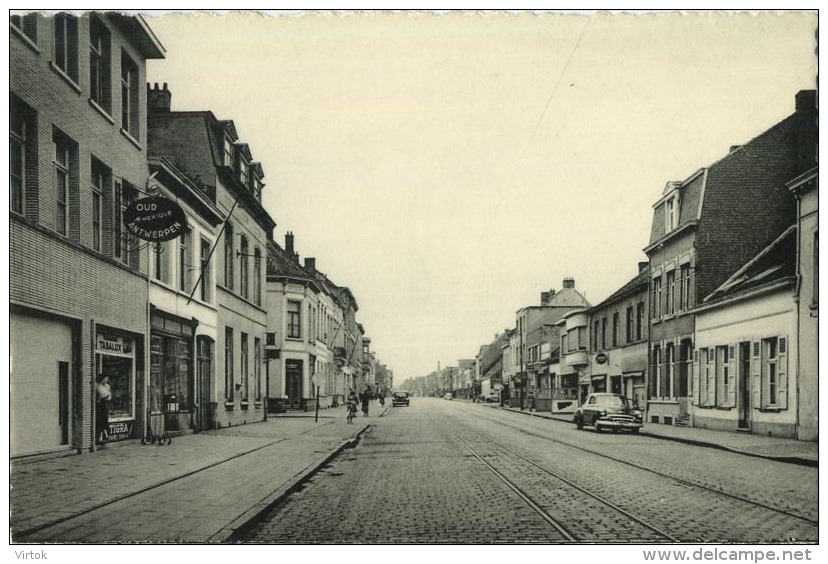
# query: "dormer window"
{"points": [[228, 152], [671, 213], [243, 172]]}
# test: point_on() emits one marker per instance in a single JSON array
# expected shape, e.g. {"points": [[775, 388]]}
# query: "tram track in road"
{"points": [[682, 481], [564, 529]]}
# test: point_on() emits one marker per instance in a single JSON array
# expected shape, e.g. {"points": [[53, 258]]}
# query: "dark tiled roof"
{"points": [[279, 263], [775, 262], [638, 283]]}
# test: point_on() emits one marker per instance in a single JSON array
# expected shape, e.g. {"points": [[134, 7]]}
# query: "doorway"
{"points": [[293, 383], [204, 375]]}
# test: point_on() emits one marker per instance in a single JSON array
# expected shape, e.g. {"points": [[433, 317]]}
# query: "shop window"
{"points": [[118, 363]]}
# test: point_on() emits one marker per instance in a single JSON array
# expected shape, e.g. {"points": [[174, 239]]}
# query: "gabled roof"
{"points": [[282, 265], [775, 263], [638, 283]]}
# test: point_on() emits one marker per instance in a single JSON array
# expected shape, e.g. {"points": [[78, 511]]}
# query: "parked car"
{"points": [[448, 395], [400, 397], [609, 411], [493, 398]]}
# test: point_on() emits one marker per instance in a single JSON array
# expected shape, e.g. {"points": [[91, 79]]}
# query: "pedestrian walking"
{"points": [[366, 399], [353, 400], [104, 393]]}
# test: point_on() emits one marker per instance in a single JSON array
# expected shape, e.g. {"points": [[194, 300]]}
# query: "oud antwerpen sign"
{"points": [[155, 219]]}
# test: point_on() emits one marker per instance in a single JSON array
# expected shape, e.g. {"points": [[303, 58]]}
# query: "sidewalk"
{"points": [[199, 489], [776, 448]]}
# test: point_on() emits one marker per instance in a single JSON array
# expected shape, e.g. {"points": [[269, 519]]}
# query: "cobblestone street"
{"points": [[413, 479]]}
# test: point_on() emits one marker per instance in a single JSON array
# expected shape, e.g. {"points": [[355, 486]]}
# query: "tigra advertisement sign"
{"points": [[155, 219]]}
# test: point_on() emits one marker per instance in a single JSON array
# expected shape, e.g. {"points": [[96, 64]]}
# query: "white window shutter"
{"points": [[696, 377], [731, 363], [756, 370], [782, 372]]}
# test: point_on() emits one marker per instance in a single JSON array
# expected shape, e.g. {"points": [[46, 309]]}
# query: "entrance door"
{"points": [[744, 385], [293, 383], [204, 376]]}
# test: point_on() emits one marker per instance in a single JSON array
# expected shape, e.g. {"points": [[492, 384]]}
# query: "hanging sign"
{"points": [[601, 358], [155, 219]]}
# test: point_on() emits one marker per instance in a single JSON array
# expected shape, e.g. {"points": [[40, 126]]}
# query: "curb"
{"points": [[798, 460], [230, 533]]}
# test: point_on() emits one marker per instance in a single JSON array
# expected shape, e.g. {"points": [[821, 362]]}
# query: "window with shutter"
{"points": [[757, 377], [782, 374], [731, 363], [696, 377], [710, 373]]}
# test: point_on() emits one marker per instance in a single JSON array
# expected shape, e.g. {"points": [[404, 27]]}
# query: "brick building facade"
{"points": [[78, 283]]}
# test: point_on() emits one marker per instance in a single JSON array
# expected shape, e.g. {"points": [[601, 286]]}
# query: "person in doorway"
{"points": [[104, 393]]}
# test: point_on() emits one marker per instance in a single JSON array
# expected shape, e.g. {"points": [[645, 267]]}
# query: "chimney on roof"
{"points": [[310, 263], [289, 242], [544, 297], [643, 265], [806, 100], [158, 100], [568, 282]]}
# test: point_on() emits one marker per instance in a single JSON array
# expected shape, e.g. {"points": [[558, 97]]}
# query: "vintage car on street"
{"points": [[400, 397], [448, 395], [609, 411]]}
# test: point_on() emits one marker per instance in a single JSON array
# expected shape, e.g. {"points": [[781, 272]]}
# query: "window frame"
{"points": [[206, 291], [100, 65], [65, 52], [25, 24], [18, 140], [62, 177], [229, 377], [293, 318], [130, 102], [244, 267]]}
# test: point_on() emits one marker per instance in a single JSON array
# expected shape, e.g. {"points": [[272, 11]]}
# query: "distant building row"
{"points": [[719, 327], [213, 328]]}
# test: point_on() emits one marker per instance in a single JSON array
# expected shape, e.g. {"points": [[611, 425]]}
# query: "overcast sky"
{"points": [[449, 168]]}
